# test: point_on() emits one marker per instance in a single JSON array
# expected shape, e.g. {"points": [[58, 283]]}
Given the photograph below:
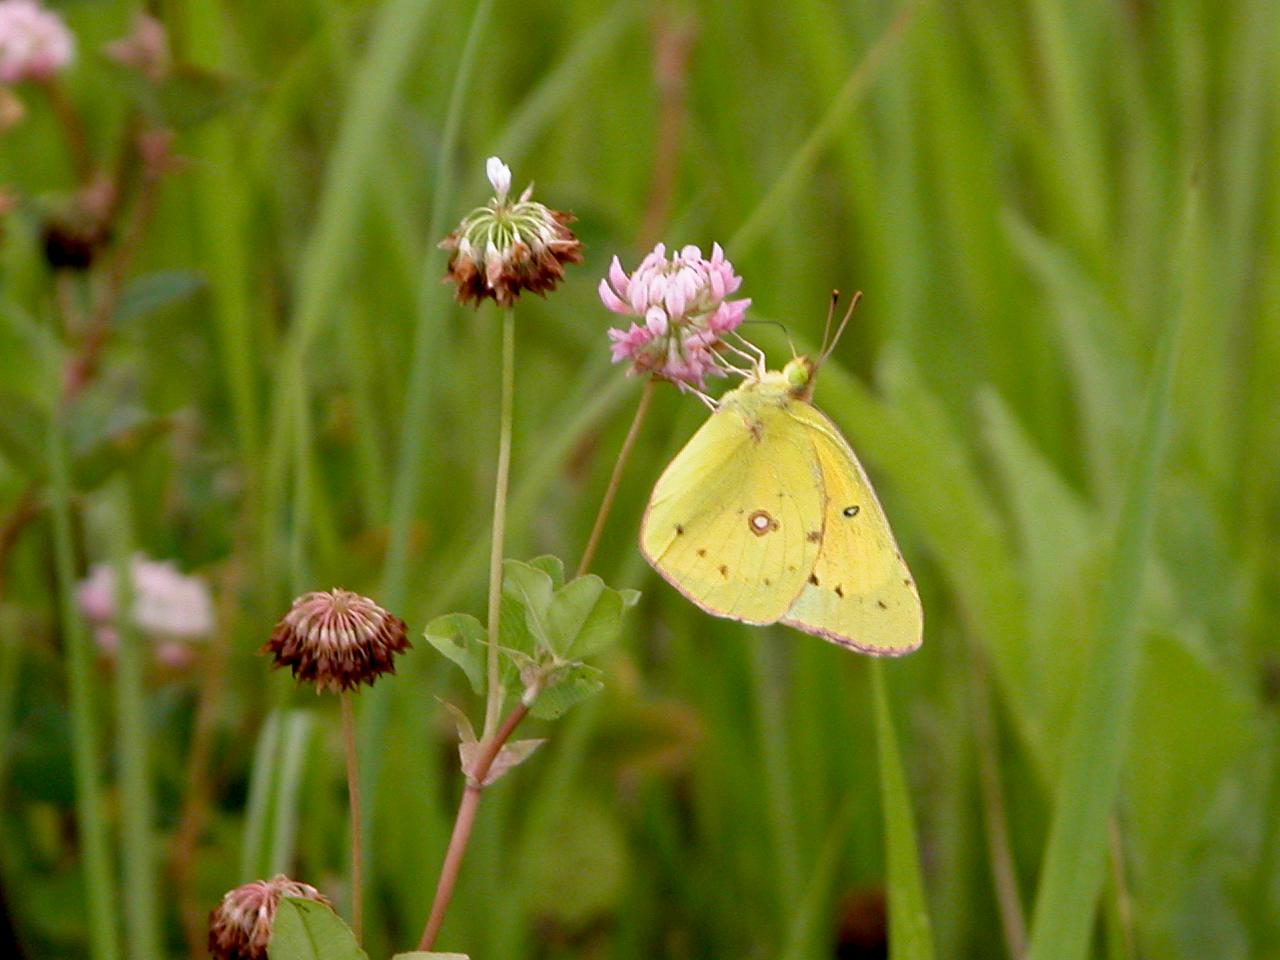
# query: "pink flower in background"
{"points": [[35, 43], [685, 311], [170, 608]]}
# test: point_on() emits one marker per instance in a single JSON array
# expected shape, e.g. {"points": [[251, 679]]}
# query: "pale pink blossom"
{"points": [[35, 43], [683, 313], [170, 608]]}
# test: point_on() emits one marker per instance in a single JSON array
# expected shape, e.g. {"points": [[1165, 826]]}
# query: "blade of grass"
{"points": [[910, 933], [560, 85], [257, 815], [806, 155], [1075, 853], [429, 330], [100, 887], [386, 61], [295, 744], [777, 775], [806, 917], [138, 846], [429, 327]]}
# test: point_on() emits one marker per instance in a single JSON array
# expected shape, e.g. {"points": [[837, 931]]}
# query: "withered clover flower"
{"points": [[505, 246], [240, 926], [337, 640]]}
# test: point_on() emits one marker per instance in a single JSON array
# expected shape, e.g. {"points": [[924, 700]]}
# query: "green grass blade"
{"points": [[806, 155], [295, 745], [564, 82], [1074, 862], [138, 843], [429, 326], [100, 887], [386, 61], [777, 776], [910, 933]]}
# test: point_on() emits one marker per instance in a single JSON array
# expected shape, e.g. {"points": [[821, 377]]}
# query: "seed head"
{"points": [[337, 640], [505, 247], [684, 303], [240, 926]]}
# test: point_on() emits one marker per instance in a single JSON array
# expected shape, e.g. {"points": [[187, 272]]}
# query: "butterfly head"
{"points": [[799, 374]]}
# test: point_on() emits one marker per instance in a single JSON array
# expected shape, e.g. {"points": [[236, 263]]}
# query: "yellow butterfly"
{"points": [[766, 516]]}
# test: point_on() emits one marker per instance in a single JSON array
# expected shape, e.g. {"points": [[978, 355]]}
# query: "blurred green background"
{"points": [[1037, 198]]}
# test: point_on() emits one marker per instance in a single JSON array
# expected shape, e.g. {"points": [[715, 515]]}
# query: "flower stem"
{"points": [[462, 825], [353, 795], [606, 504], [72, 129], [493, 705]]}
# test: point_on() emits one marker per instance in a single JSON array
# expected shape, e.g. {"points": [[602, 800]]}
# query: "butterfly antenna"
{"points": [[829, 347], [826, 329]]}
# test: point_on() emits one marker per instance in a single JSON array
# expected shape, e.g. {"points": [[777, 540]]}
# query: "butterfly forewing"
{"points": [[860, 593], [733, 522]]}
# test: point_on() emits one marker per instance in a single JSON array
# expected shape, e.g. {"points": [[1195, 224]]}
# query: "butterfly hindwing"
{"points": [[733, 520], [860, 593]]}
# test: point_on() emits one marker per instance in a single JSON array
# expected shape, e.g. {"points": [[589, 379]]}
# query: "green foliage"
{"points": [[307, 930], [548, 627], [292, 403]]}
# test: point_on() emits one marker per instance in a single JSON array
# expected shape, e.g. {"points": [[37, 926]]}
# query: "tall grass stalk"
{"points": [[138, 847], [86, 737], [910, 932], [1076, 849]]}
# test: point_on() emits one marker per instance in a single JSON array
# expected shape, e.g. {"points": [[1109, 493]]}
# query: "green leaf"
{"points": [[461, 638], [552, 566], [532, 588], [584, 618], [307, 930], [153, 291], [567, 687]]}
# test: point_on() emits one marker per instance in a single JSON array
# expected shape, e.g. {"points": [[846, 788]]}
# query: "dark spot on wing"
{"points": [[839, 590], [701, 552], [813, 578], [757, 430], [724, 571], [906, 581], [851, 511], [882, 605], [679, 530], [768, 582], [813, 536]]}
